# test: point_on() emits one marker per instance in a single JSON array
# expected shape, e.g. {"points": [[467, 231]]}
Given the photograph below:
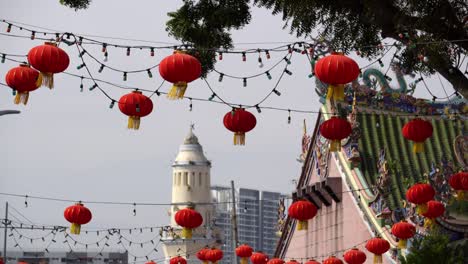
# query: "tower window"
{"points": [[185, 178], [179, 178], [200, 180]]}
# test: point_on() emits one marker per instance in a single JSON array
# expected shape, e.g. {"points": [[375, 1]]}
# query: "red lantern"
{"points": [[292, 261], [312, 261], [332, 260], [259, 258], [275, 261], [189, 219], [244, 252], [23, 79], [302, 211], [378, 246], [151, 262], [336, 70], [355, 256], [49, 60], [403, 231], [335, 129], [179, 69], [177, 260], [434, 209], [420, 194], [77, 215], [240, 122], [135, 105], [201, 255], [417, 130], [214, 255], [459, 182]]}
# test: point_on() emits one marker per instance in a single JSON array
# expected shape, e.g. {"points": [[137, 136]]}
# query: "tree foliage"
{"points": [[348, 24], [435, 248], [76, 4]]}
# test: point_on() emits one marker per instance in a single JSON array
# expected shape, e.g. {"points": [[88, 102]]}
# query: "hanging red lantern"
{"points": [[292, 261], [23, 79], [275, 261], [378, 246], [244, 252], [214, 255], [259, 258], [302, 211], [188, 219], [77, 215], [240, 122], [312, 261], [332, 260], [417, 130], [135, 105], [179, 69], [459, 182], [354, 256], [201, 255], [336, 70], [49, 60], [420, 194], [177, 260], [403, 231], [335, 129], [434, 209], [151, 262]]}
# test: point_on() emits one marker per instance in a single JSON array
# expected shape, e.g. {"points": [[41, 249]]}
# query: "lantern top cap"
{"points": [[50, 43], [25, 65], [337, 53]]}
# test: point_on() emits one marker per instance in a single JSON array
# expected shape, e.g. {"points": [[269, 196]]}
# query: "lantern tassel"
{"points": [[75, 229], [429, 223], [401, 243], [21, 97], [133, 122], [418, 147], [336, 92], [421, 208], [177, 91], [377, 259], [244, 261], [186, 233], [239, 138], [461, 195], [47, 79], [335, 145], [302, 225]]}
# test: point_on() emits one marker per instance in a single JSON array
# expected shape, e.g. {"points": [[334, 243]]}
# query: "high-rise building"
{"points": [[190, 188], [257, 219]]}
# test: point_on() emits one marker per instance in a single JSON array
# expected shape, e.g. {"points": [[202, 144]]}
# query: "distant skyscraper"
{"points": [[257, 218]]}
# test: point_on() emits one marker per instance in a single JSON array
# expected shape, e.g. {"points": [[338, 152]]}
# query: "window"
{"points": [[200, 180], [179, 178], [185, 178]]}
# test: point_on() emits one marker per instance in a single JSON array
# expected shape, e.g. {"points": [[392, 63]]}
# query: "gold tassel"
{"points": [[461, 195], [205, 262], [75, 229], [47, 79], [302, 225], [377, 259], [177, 91], [239, 138], [428, 223], [244, 261], [401, 243], [186, 233], [133, 122], [21, 97], [418, 147], [421, 208], [335, 145], [336, 92]]}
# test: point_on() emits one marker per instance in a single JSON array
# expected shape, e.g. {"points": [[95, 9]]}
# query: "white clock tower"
{"points": [[190, 187]]}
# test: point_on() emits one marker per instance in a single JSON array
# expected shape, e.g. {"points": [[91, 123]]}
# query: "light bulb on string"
{"points": [[277, 92], [150, 75], [212, 97], [289, 49], [245, 82], [125, 76], [220, 56], [26, 201], [82, 53], [106, 55], [101, 68], [288, 72], [381, 63], [33, 35], [134, 212], [93, 87], [190, 109], [152, 52], [57, 37], [81, 84], [80, 41], [244, 57], [104, 47], [258, 109], [112, 104], [268, 75], [80, 66], [287, 60], [289, 116], [260, 62], [267, 54], [3, 58], [221, 75], [128, 51], [8, 28]]}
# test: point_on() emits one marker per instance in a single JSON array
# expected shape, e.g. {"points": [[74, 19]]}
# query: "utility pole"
{"points": [[234, 218], [6, 234]]}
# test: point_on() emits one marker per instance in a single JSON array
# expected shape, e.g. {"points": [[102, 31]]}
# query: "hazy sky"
{"points": [[70, 145]]}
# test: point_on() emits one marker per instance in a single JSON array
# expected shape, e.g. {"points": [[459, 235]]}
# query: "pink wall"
{"points": [[334, 229]]}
